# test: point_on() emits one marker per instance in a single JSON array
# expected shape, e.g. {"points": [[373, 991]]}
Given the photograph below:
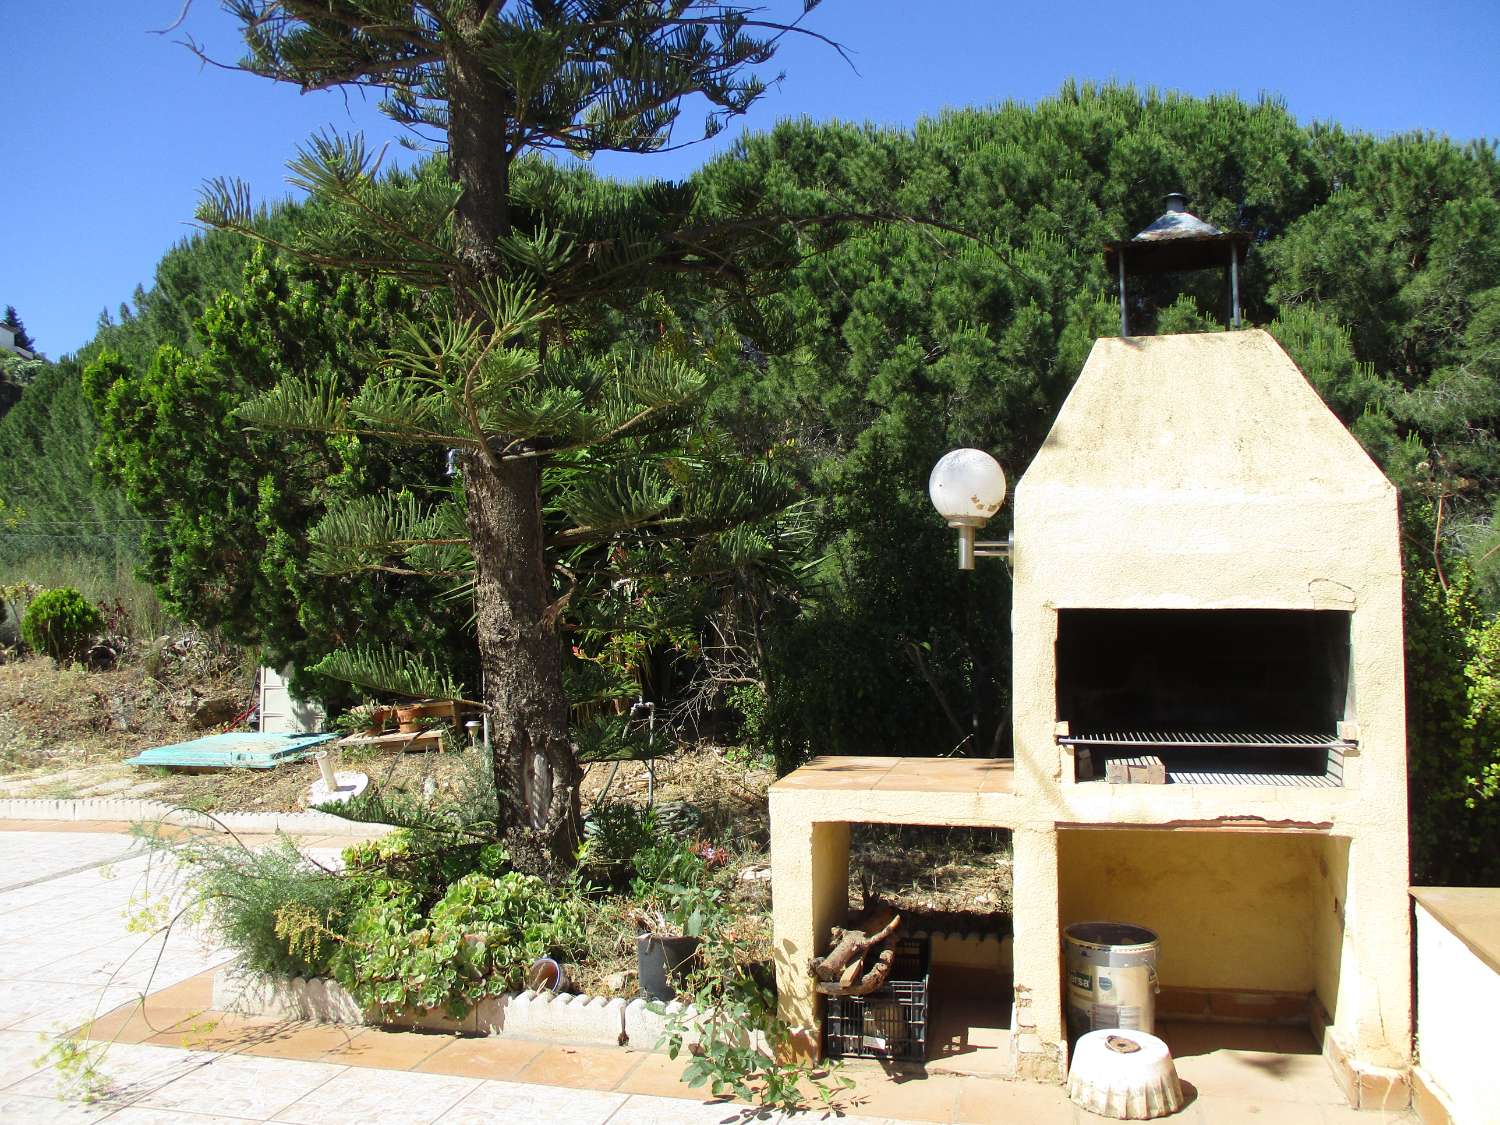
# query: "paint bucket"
{"points": [[1111, 968]]}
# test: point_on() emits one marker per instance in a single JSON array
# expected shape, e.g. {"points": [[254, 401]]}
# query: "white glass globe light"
{"points": [[967, 487]]}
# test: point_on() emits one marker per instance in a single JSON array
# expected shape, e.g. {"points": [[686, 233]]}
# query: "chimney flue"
{"points": [[1176, 202]]}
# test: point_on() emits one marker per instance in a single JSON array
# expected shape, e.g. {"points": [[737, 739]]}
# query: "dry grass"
{"points": [[934, 873], [65, 718]]}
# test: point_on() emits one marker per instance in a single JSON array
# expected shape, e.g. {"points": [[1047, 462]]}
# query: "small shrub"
{"points": [[426, 861], [61, 623], [614, 831], [477, 941], [278, 910]]}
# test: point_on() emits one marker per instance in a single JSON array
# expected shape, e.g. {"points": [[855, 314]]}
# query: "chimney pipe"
{"points": [[1176, 202]]}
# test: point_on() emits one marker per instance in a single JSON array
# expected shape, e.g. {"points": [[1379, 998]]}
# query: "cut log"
{"points": [[851, 974], [853, 944], [879, 972]]}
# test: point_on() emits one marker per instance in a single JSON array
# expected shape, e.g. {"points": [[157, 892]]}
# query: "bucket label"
{"points": [[1080, 980]]}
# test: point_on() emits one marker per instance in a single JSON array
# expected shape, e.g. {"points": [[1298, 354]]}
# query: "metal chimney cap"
{"points": [[1176, 201]]}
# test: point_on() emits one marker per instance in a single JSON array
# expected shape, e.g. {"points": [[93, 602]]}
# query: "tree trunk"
{"points": [[520, 653], [519, 649]]}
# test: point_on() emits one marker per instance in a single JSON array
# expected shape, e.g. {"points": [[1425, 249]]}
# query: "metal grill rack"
{"points": [[1282, 759], [1208, 740]]}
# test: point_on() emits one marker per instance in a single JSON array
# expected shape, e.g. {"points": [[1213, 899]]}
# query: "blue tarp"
{"points": [[237, 750]]}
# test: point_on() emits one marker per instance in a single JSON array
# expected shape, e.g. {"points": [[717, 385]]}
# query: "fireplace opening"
{"points": [[1205, 696]]}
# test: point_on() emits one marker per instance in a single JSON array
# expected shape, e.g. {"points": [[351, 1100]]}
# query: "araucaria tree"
{"points": [[485, 369]]}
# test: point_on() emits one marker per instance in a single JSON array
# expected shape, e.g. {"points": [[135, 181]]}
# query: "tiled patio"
{"points": [[173, 1060]]}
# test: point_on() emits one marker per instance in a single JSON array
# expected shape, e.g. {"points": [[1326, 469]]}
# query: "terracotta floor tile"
{"points": [[657, 1075], [131, 1023], [1189, 1037], [389, 1050], [1243, 1111], [982, 1101], [1260, 1076], [196, 991], [906, 1096], [309, 1041], [660, 1076], [969, 1028], [580, 1068], [1295, 1041], [219, 1031], [486, 1057]]}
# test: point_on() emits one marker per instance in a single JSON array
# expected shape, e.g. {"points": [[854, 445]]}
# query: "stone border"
{"points": [[132, 809], [595, 1021]]}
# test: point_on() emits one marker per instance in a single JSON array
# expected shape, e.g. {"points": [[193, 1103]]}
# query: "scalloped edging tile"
{"points": [[547, 1016]]}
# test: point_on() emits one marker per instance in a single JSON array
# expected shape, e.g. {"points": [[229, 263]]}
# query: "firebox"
{"points": [[1248, 696]]}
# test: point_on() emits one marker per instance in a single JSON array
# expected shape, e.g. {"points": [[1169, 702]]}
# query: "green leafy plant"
{"points": [[61, 623], [478, 940], [274, 906], [729, 1023], [1453, 729], [614, 833]]}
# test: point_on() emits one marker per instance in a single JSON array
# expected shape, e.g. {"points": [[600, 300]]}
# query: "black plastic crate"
{"points": [[889, 1023]]}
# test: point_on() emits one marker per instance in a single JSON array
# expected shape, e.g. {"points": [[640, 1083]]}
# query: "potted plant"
{"points": [[411, 717], [364, 718], [667, 938]]}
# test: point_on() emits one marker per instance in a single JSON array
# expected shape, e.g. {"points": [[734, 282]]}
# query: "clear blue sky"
{"points": [[109, 130]]}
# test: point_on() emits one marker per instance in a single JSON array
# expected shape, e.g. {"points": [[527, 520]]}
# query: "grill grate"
{"points": [[1208, 740]]}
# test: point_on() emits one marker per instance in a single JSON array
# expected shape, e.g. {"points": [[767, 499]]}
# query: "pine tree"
{"points": [[487, 372]]}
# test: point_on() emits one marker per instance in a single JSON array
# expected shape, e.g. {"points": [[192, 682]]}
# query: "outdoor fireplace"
{"points": [[1206, 594], [1218, 696]]}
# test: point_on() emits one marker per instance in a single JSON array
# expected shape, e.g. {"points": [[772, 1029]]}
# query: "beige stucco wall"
{"points": [[1330, 882], [1202, 471], [1182, 472], [1232, 912], [1456, 998]]}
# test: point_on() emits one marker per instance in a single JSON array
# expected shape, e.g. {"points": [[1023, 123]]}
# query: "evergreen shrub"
{"points": [[61, 623]]}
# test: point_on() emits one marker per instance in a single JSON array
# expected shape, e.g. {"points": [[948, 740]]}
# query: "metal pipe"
{"points": [[995, 548], [965, 547], [1124, 323], [1234, 286]]}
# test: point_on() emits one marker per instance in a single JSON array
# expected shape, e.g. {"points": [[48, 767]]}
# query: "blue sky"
{"points": [[109, 130]]}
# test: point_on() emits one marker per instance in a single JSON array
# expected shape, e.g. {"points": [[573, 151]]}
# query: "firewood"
{"points": [[853, 944], [878, 974], [851, 974]]}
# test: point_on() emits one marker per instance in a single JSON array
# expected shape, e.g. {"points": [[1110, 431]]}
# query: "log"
{"points": [[878, 974], [852, 973], [853, 944]]}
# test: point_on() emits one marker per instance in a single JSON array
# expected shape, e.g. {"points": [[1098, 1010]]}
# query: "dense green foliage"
{"points": [[72, 521], [230, 510], [249, 893], [1375, 262], [1453, 723], [12, 320], [478, 940], [61, 623]]}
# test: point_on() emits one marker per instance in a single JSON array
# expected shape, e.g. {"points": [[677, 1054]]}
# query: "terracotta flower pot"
{"points": [[412, 717]]}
